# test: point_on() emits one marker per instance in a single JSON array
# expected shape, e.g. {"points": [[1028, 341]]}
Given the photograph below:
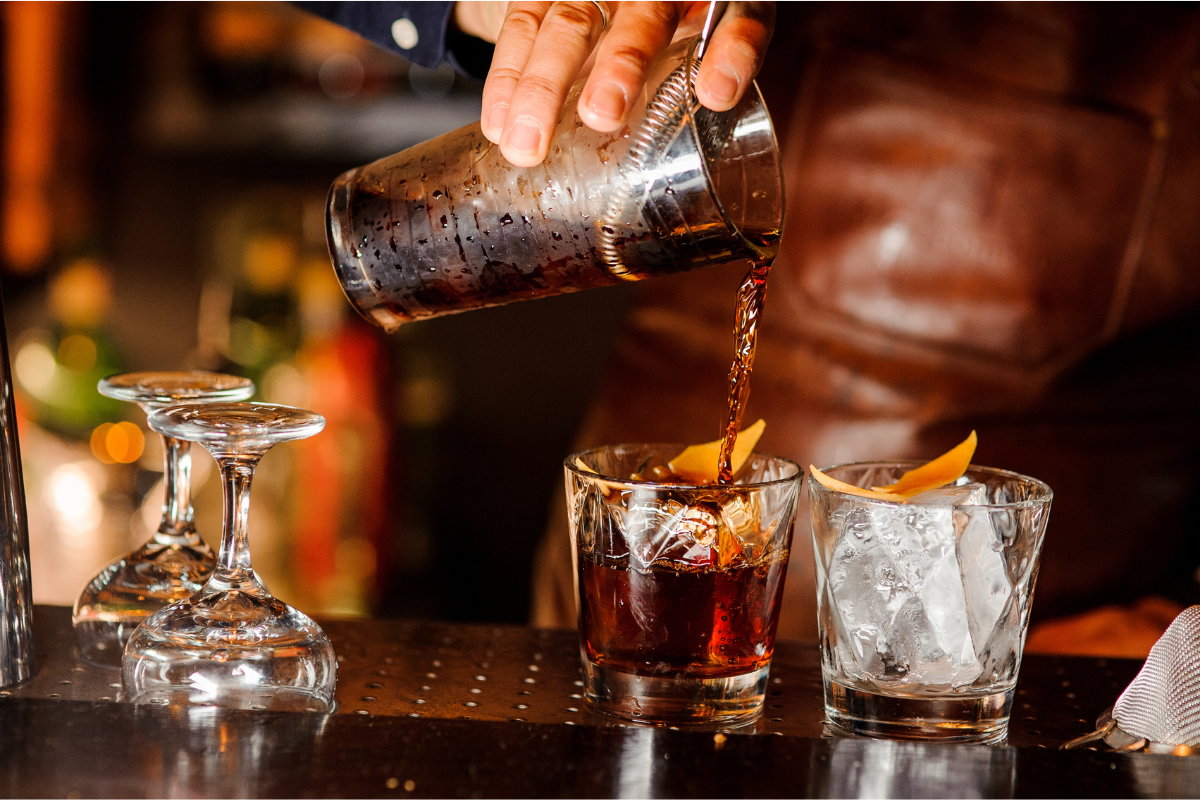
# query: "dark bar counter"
{"points": [[452, 710]]}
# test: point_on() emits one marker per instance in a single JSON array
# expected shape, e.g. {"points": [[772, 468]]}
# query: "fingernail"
{"points": [[607, 100], [498, 117], [721, 84], [525, 135]]}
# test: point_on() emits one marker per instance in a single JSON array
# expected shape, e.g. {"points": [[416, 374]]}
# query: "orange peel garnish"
{"points": [[698, 463], [847, 488], [943, 470], [606, 487]]}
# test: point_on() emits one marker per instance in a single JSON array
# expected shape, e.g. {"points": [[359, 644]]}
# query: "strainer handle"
{"points": [[715, 11], [1104, 726]]}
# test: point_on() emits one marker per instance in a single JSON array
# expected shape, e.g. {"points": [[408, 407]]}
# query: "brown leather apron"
{"points": [[993, 222]]}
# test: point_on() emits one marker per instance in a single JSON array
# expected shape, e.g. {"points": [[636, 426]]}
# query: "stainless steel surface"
{"points": [[500, 673], [433, 670], [98, 747], [16, 601]]}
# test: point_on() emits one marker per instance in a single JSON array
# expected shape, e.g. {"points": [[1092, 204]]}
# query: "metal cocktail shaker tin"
{"points": [[16, 600], [450, 225]]}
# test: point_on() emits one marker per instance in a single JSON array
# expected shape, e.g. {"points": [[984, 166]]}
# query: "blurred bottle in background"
{"points": [[272, 310], [79, 449]]}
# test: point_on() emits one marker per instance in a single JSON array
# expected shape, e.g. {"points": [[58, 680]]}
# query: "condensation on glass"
{"points": [[450, 225]]}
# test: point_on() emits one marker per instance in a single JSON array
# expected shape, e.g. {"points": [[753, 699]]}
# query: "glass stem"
{"points": [[233, 562], [177, 526]]}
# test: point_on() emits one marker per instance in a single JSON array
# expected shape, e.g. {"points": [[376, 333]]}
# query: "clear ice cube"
{"points": [[985, 580], [899, 593], [968, 494], [657, 530], [984, 573], [740, 516]]}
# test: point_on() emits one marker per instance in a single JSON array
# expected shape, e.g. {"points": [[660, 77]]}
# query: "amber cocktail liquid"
{"points": [[679, 586], [712, 622]]}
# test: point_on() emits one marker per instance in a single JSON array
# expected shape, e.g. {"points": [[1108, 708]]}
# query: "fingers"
{"points": [[538, 55], [513, 47], [542, 46], [638, 34], [735, 53]]}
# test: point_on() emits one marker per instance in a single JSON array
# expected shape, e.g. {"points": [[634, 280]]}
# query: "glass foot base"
{"points": [[258, 698], [232, 649], [103, 643], [132, 588], [676, 700], [976, 718]]}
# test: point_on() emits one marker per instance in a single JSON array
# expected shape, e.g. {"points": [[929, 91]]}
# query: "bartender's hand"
{"points": [[542, 48]]}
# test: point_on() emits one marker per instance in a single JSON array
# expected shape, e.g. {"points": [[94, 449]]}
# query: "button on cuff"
{"points": [[404, 33]]}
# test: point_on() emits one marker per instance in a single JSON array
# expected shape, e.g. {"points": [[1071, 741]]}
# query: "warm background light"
{"points": [[120, 443], [33, 37]]}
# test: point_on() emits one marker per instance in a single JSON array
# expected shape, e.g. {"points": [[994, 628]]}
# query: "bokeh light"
{"points": [[77, 353], [35, 367], [75, 499], [120, 443]]}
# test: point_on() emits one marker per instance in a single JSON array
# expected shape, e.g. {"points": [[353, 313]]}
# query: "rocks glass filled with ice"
{"points": [[678, 585], [923, 601]]}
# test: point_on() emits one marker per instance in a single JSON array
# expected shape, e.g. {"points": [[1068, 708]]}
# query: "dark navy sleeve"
{"points": [[419, 32]]}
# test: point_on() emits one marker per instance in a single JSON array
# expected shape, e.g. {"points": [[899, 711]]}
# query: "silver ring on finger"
{"points": [[603, 13]]}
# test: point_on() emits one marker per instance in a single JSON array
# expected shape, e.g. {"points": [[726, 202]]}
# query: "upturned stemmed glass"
{"points": [[232, 644], [175, 562]]}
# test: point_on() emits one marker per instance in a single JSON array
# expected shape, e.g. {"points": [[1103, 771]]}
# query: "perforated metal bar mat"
{"points": [[499, 673]]}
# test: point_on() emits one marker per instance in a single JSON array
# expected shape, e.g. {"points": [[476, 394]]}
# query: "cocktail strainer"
{"points": [[1162, 705]]}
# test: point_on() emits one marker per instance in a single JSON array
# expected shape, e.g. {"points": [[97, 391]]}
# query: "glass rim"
{"points": [[569, 464], [1045, 499], [141, 388], [165, 422]]}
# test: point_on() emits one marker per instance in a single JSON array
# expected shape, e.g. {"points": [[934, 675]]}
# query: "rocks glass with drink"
{"points": [[679, 584], [923, 601]]}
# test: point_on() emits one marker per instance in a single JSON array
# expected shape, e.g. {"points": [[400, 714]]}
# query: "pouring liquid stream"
{"points": [[751, 296]]}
